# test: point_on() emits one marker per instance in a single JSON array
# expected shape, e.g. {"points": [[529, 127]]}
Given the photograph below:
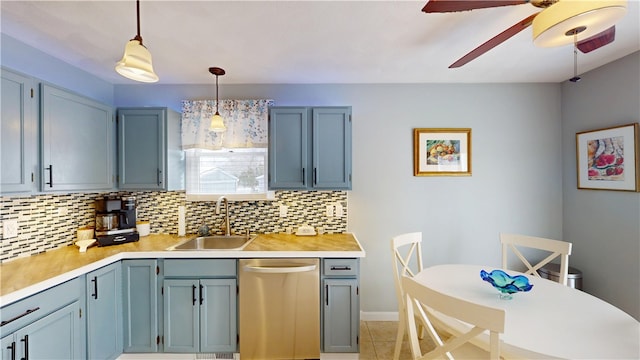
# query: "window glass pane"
{"points": [[224, 172]]}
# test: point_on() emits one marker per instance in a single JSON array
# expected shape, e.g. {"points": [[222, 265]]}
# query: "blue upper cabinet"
{"points": [[76, 142], [19, 133], [288, 148], [310, 148], [149, 153]]}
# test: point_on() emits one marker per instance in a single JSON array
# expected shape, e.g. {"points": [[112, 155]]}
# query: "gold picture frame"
{"points": [[442, 152], [609, 159]]}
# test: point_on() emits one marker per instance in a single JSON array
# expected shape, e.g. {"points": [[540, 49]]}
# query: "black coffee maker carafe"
{"points": [[116, 220]]}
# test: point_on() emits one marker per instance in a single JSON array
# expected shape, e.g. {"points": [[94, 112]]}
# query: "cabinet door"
{"points": [[140, 305], [8, 348], [331, 148], [340, 315], [288, 148], [181, 315], [77, 145], [141, 149], [55, 336], [18, 133], [218, 315], [104, 314]]}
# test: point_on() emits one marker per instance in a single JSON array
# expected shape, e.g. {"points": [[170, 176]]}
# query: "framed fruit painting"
{"points": [[441, 152], [609, 159]]}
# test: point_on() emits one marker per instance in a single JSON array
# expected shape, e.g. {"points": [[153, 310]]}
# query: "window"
{"points": [[232, 163], [240, 174]]}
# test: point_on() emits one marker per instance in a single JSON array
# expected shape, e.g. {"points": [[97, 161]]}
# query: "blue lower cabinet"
{"points": [[200, 315], [47, 325], [58, 335], [140, 305], [199, 298], [341, 306], [104, 312]]}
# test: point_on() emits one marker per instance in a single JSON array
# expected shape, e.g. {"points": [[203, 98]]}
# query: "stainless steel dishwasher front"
{"points": [[279, 309]]}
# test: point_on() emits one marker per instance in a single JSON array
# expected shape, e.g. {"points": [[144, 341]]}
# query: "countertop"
{"points": [[26, 276]]}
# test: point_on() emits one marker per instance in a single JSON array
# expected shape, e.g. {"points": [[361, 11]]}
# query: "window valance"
{"points": [[246, 122]]}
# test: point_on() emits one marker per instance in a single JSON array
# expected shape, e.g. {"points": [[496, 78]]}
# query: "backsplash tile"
{"points": [[43, 225]]}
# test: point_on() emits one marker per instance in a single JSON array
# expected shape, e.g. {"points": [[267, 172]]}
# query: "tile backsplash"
{"points": [[50, 221]]}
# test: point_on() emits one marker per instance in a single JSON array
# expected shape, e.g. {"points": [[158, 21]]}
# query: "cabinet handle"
{"points": [[26, 347], [12, 347], [50, 168], [159, 177], [345, 267], [193, 294], [95, 287], [315, 176], [201, 294], [326, 295], [304, 178], [19, 316]]}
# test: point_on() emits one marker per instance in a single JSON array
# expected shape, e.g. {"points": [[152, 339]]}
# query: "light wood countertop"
{"points": [[26, 276]]}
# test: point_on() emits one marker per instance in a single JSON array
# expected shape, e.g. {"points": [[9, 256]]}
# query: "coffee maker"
{"points": [[116, 220]]}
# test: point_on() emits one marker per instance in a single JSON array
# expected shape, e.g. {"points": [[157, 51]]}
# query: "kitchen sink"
{"points": [[214, 242]]}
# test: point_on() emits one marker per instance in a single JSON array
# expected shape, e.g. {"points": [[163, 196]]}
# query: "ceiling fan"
{"points": [[586, 23]]}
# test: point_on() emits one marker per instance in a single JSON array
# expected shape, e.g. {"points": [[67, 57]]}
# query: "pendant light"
{"points": [[136, 61], [217, 122]]}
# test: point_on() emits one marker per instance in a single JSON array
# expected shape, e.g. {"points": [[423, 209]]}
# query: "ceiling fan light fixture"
{"points": [[136, 62], [555, 25]]}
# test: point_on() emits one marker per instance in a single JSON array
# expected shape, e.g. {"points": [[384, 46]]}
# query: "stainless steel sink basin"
{"points": [[214, 242]]}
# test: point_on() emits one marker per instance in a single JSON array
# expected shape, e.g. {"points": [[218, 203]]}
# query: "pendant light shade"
{"points": [[217, 122], [558, 24], [136, 61]]}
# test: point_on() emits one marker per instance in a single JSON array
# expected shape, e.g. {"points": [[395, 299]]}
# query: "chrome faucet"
{"points": [[227, 228]]}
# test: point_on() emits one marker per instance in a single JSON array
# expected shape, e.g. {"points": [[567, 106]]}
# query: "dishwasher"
{"points": [[279, 309]]}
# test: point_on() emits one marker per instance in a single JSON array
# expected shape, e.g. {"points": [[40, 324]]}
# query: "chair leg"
{"points": [[399, 337]]}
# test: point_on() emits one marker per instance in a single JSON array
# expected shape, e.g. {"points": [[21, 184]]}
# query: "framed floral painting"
{"points": [[441, 152], [608, 159]]}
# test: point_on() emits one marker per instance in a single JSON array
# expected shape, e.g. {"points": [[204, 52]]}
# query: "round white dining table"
{"points": [[551, 320]]}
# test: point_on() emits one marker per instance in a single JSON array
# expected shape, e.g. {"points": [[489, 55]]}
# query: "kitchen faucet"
{"points": [[227, 229]]}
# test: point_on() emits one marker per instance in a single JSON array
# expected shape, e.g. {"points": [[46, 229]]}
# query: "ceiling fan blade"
{"points": [[598, 40], [495, 41], [440, 6]]}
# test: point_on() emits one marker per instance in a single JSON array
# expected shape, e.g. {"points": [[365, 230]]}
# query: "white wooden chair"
{"points": [[478, 318], [557, 248], [407, 261]]}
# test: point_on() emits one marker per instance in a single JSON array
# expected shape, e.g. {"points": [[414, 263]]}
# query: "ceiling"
{"points": [[300, 42]]}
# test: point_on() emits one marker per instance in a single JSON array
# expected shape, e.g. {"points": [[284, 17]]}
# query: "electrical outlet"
{"points": [[330, 210], [339, 210], [283, 210], [10, 228]]}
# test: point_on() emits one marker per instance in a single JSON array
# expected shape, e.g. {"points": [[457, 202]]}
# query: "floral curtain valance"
{"points": [[246, 122]]}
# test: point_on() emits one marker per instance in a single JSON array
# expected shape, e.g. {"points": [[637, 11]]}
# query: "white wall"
{"points": [[604, 226], [516, 184], [20, 57]]}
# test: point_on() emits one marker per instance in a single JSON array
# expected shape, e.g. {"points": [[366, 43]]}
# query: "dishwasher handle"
{"points": [[279, 269]]}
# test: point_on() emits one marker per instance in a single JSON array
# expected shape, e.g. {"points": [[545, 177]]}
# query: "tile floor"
{"points": [[378, 339]]}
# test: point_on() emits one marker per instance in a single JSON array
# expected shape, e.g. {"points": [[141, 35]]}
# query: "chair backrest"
{"points": [[556, 248], [407, 259], [480, 318]]}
